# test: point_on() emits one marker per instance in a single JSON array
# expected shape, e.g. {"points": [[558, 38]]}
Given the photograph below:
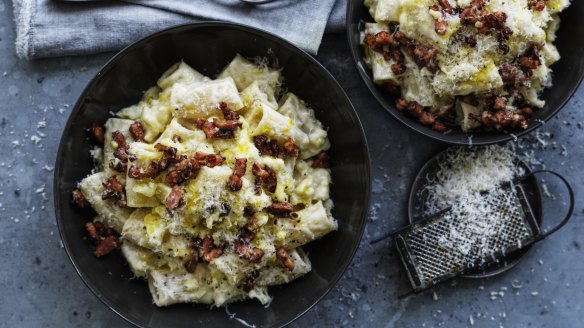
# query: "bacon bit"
{"points": [[227, 125], [536, 5], [280, 209], [106, 246], [210, 160], [137, 131], [427, 118], [415, 109], [92, 231], [79, 199], [401, 38], [526, 111], [155, 167], [174, 198], [258, 171], [397, 56], [262, 144], [121, 152], [105, 238], [519, 74], [118, 166], [499, 103], [187, 168], [234, 183], [504, 48], [207, 127], [504, 35], [440, 127], [101, 229], [249, 281], [425, 56], [269, 147], [290, 148], [398, 69], [321, 161], [192, 262], [272, 180], [285, 260], [440, 26], [176, 138], [493, 21], [470, 15], [446, 6], [98, 133], [266, 175], [227, 113], [383, 38], [504, 118], [369, 40], [209, 250], [149, 172], [219, 129], [169, 156], [114, 190], [528, 63], [247, 251], [240, 167], [513, 75], [401, 104], [248, 212]]}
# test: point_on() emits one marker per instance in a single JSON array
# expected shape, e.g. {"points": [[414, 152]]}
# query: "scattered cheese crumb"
{"points": [[35, 139]]}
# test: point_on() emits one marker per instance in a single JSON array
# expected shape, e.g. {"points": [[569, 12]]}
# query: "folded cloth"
{"points": [[49, 28]]}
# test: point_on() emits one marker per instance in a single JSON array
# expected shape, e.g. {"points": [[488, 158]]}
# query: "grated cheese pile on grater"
{"points": [[468, 181]]}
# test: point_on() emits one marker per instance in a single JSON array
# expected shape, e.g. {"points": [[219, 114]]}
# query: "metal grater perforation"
{"points": [[429, 261]]}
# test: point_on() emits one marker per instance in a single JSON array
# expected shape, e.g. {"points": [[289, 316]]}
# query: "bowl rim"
{"points": [[190, 26], [495, 138]]}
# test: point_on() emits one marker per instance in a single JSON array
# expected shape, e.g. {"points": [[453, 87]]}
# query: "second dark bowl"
{"points": [[567, 75]]}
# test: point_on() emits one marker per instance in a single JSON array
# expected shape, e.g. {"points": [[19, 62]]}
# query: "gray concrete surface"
{"points": [[39, 287]]}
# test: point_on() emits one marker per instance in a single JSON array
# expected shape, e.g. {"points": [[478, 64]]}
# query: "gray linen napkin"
{"points": [[48, 28]]}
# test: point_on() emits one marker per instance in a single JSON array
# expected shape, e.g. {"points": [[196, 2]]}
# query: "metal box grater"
{"points": [[428, 262]]}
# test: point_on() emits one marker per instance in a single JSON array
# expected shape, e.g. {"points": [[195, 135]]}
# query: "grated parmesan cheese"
{"points": [[464, 171], [468, 181]]}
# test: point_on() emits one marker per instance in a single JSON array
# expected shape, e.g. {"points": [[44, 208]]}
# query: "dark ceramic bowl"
{"points": [[568, 73], [208, 47]]}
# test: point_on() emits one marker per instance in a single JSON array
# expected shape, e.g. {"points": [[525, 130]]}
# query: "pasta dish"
{"points": [[477, 64], [210, 187]]}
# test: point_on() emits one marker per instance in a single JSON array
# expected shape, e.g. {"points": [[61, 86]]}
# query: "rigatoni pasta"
{"points": [[211, 187]]}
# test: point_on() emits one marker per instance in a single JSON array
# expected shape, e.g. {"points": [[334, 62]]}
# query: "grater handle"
{"points": [[570, 208]]}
